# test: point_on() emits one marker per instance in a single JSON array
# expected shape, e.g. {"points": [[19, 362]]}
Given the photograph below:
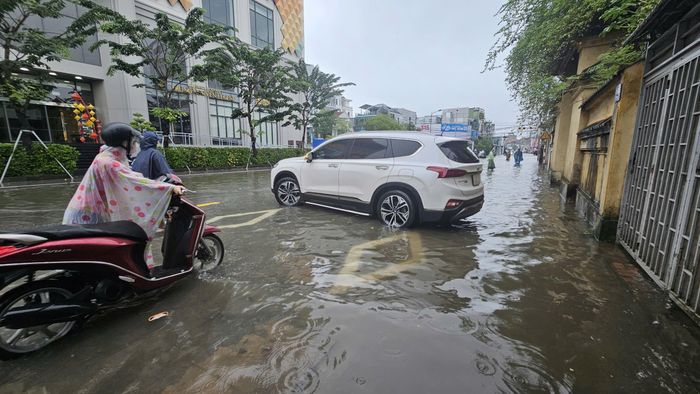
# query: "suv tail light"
{"points": [[444, 172]]}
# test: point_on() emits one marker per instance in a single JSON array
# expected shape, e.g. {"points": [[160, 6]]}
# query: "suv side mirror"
{"points": [[309, 157]]}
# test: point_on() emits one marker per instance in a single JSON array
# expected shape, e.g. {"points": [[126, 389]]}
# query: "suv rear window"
{"points": [[404, 147], [458, 151]]}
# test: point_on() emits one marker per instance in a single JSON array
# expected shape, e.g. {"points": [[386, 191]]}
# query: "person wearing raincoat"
{"points": [[111, 191], [518, 157], [491, 161], [150, 162]]}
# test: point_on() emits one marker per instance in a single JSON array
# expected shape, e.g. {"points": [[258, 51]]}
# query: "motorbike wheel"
{"points": [[210, 252], [18, 342]]}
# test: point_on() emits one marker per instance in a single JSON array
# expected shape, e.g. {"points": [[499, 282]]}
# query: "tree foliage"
{"points": [[324, 123], [141, 124], [536, 34], [26, 47], [160, 54], [383, 122], [262, 78], [316, 89]]}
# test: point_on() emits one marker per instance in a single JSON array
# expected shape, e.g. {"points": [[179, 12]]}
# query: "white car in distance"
{"points": [[402, 178]]}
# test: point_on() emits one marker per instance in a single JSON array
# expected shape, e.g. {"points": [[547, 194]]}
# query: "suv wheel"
{"points": [[287, 192], [396, 209]]}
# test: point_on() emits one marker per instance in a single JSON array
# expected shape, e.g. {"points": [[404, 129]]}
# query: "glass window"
{"points": [[261, 25], [56, 26], [333, 150], [458, 151], [369, 148], [219, 12], [266, 132], [220, 121], [404, 147], [181, 101]]}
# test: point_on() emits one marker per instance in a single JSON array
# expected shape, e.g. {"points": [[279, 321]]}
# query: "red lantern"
{"points": [[93, 135], [76, 96], [82, 139], [86, 116]]}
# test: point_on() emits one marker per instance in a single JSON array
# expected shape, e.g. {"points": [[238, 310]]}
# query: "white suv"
{"points": [[403, 178]]}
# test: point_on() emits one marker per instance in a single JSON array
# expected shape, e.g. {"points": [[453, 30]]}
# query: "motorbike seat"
{"points": [[121, 228]]}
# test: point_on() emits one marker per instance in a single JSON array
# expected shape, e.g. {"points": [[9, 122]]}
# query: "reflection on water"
{"points": [[518, 299]]}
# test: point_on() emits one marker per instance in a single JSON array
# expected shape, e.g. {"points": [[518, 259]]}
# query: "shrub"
{"points": [[39, 161], [181, 157]]}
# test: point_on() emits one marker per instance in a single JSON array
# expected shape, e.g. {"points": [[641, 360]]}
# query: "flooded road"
{"points": [[520, 299]]}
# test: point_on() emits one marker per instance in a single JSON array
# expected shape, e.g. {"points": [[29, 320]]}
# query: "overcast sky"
{"points": [[418, 54]]}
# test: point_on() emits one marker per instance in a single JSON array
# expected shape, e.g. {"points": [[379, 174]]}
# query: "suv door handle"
{"points": [[382, 167], [332, 165]]}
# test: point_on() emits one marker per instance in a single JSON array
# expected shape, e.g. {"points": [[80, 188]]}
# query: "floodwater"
{"points": [[520, 299]]}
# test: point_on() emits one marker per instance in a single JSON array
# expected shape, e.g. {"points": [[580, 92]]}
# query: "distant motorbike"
{"points": [[54, 278]]}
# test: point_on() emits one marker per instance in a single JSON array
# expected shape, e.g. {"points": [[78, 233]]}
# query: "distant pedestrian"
{"points": [[518, 157], [507, 154], [492, 162]]}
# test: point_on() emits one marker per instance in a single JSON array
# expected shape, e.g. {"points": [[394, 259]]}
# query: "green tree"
{"points": [[161, 54], [536, 35], [262, 78], [324, 123], [342, 126], [382, 122], [316, 89], [141, 124], [27, 50], [483, 143]]}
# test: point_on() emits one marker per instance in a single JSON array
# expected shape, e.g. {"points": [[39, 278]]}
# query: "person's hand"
{"points": [[179, 190]]}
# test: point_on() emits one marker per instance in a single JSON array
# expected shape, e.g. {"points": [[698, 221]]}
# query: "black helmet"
{"points": [[114, 134]]}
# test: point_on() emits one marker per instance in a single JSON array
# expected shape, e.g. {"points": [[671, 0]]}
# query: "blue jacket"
{"points": [[150, 162]]}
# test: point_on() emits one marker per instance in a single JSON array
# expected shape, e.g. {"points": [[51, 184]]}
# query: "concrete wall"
{"points": [[561, 137]]}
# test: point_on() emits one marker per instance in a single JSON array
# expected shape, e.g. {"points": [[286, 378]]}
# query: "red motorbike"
{"points": [[54, 278]]}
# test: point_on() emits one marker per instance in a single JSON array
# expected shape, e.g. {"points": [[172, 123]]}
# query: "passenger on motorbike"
{"points": [[150, 162], [111, 191]]}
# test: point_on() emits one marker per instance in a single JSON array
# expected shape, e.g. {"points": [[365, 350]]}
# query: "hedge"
{"points": [[221, 158], [39, 161]]}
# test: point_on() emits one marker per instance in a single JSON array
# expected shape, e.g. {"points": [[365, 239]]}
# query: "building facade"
{"points": [[260, 23], [401, 115], [341, 105]]}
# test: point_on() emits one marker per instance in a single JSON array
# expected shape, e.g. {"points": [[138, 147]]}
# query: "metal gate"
{"points": [[660, 212]]}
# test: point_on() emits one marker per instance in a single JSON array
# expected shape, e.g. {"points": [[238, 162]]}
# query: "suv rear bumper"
{"points": [[450, 216]]}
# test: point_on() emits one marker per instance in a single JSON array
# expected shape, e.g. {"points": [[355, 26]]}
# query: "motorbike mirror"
{"points": [[309, 157]]}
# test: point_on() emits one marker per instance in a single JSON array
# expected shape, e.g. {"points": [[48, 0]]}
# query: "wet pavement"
{"points": [[520, 299]]}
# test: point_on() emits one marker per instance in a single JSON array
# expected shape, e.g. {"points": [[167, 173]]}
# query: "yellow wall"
{"points": [[620, 141], [572, 166], [561, 136]]}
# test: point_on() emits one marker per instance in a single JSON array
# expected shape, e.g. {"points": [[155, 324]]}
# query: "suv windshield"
{"points": [[458, 151]]}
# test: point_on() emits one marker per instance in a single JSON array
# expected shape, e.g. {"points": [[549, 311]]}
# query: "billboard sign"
{"points": [[454, 127]]}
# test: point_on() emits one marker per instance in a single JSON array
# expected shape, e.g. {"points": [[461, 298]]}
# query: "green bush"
{"points": [[181, 157], [39, 161]]}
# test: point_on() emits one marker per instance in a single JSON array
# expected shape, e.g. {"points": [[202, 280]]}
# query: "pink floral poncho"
{"points": [[111, 191]]}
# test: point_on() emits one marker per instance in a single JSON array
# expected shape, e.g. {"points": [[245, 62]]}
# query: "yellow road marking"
{"points": [[262, 215], [349, 274], [206, 204]]}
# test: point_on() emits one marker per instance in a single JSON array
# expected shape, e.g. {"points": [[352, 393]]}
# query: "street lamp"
{"points": [[430, 124]]}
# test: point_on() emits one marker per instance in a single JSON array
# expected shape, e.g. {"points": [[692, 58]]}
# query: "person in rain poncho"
{"points": [[111, 191], [492, 162], [518, 156], [150, 162]]}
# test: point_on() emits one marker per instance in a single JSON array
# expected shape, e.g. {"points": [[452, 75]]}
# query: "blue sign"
{"points": [[316, 142], [454, 127], [475, 134]]}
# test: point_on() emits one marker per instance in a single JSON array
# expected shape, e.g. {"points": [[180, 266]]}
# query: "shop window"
{"points": [[262, 33]]}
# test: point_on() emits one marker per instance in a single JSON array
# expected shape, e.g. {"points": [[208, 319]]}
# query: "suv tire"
{"points": [[396, 209], [287, 192]]}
